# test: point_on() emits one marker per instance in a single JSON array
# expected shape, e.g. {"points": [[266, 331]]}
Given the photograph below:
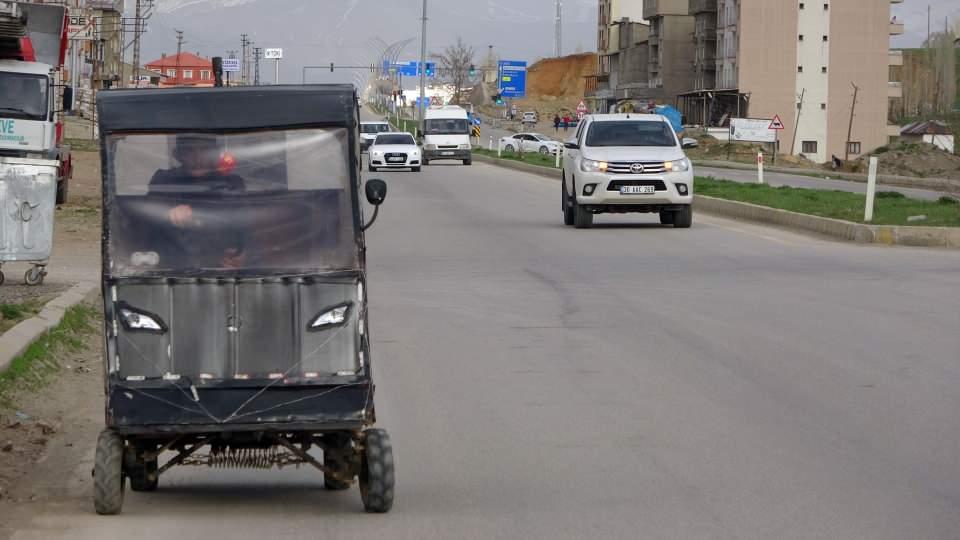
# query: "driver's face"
{"points": [[199, 159]]}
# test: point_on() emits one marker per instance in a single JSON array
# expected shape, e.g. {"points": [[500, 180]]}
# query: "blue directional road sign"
{"points": [[512, 78], [407, 69]]}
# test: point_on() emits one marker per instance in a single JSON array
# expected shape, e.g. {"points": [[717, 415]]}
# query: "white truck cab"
{"points": [[620, 163], [446, 134], [27, 125]]}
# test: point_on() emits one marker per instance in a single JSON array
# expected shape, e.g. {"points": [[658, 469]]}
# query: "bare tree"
{"points": [[454, 64]]}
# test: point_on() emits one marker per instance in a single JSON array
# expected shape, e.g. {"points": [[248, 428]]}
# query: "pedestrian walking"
{"points": [[556, 123], [566, 122]]}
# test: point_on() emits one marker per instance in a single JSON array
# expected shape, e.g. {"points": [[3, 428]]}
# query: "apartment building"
{"points": [[601, 88], [671, 48], [802, 61]]}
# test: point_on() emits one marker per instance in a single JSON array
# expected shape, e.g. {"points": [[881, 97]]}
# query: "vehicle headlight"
{"points": [[416, 151], [429, 147], [680, 165], [465, 146], [589, 165], [138, 320], [377, 152], [334, 316]]}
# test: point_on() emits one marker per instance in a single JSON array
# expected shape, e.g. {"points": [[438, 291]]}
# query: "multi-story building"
{"points": [[802, 61], [705, 43], [671, 49], [612, 15]]}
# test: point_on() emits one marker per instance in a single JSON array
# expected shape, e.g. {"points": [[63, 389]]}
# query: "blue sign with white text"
{"points": [[512, 78]]}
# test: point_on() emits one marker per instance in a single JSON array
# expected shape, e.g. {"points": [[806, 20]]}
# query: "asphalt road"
{"points": [[628, 381], [775, 179]]}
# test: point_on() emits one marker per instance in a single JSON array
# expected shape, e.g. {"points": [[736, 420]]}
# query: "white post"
{"points": [[871, 190], [759, 167], [557, 164], [276, 77], [491, 144], [499, 149]]}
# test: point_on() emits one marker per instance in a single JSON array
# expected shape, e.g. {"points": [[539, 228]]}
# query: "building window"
{"points": [[171, 73], [826, 39], [188, 74], [809, 147], [853, 147], [826, 7], [799, 69], [823, 69], [801, 5], [801, 37], [205, 75], [823, 106]]}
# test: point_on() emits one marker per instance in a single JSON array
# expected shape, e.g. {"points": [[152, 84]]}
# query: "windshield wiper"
{"points": [[14, 109]]}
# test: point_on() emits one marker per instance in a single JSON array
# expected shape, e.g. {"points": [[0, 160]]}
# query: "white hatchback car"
{"points": [[619, 163], [394, 151]]}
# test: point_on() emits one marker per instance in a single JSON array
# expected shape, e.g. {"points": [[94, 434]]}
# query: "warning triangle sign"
{"points": [[776, 123]]}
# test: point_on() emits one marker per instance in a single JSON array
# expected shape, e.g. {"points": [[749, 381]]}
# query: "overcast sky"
{"points": [[313, 32]]}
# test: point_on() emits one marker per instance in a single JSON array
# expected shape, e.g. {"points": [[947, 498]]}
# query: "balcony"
{"points": [[895, 58], [896, 28], [703, 6], [594, 84], [705, 34], [894, 90], [896, 1]]}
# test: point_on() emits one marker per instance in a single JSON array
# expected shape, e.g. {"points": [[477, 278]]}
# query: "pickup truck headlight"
{"points": [[680, 165], [589, 165]]}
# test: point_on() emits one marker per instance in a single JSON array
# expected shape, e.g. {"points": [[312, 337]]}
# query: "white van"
{"points": [[446, 134]]}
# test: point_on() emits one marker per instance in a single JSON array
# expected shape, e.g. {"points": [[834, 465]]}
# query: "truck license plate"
{"points": [[636, 190], [446, 153]]}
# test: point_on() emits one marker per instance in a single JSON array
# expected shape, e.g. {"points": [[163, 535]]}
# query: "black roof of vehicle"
{"points": [[233, 108]]}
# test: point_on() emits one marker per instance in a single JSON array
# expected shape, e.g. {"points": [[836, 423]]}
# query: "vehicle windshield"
{"points": [[394, 138], [23, 96], [627, 133], [374, 128], [446, 126], [540, 137], [266, 202]]}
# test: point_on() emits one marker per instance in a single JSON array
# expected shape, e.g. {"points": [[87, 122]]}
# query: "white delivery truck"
{"points": [[446, 134]]}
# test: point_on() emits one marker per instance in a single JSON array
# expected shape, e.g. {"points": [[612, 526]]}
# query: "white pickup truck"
{"points": [[620, 163]]}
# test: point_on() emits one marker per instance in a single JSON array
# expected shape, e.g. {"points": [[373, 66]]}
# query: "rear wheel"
{"points": [[666, 217], [508, 148], [544, 150], [582, 219], [62, 186], [468, 162], [683, 219], [376, 472], [108, 474], [336, 457]]}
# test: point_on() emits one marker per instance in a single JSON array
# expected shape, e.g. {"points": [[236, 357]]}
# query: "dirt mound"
{"points": [[915, 159], [560, 77]]}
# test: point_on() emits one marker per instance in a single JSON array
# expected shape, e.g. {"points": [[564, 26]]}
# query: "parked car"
{"points": [[394, 151], [619, 163], [530, 142], [369, 132]]}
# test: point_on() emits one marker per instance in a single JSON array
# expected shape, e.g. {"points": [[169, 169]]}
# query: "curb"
{"points": [[15, 341], [944, 185], [944, 237]]}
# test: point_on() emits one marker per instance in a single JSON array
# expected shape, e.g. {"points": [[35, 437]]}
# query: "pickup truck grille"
{"points": [[626, 167], [615, 185]]}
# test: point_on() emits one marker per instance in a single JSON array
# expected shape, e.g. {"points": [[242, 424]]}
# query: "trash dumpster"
{"points": [[28, 189]]}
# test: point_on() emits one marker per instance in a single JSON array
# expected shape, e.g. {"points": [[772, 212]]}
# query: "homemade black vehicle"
{"points": [[234, 288]]}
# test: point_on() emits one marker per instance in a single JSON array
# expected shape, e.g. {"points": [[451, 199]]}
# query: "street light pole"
{"points": [[423, 65]]}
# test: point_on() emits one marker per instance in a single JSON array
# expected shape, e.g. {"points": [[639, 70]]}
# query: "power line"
{"points": [[256, 65], [179, 50]]}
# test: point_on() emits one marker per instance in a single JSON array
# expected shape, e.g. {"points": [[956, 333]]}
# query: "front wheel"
{"points": [[62, 187], [416, 169], [683, 219], [371, 168], [565, 205], [666, 217], [376, 472], [582, 219], [108, 474], [508, 148], [34, 276], [544, 150]]}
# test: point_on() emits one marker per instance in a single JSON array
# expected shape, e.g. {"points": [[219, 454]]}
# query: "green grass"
{"points": [[11, 314], [532, 158], [890, 208], [83, 145], [32, 369]]}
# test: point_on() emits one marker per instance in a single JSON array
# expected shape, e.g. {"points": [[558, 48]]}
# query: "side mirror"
{"points": [[689, 143], [376, 190], [67, 98], [571, 146], [419, 133]]}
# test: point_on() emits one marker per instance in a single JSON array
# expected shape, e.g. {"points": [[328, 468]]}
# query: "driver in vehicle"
{"points": [[202, 172]]}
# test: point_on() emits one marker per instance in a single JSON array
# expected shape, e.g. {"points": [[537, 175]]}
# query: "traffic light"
{"points": [[473, 70], [331, 67], [429, 70], [498, 99]]}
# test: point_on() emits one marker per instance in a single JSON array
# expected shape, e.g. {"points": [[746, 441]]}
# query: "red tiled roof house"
{"points": [[194, 70]]}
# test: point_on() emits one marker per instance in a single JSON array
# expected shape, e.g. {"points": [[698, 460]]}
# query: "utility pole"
{"points": [[137, 29], [179, 50], [853, 108], [558, 31], [423, 65], [256, 66], [244, 71], [796, 124]]}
